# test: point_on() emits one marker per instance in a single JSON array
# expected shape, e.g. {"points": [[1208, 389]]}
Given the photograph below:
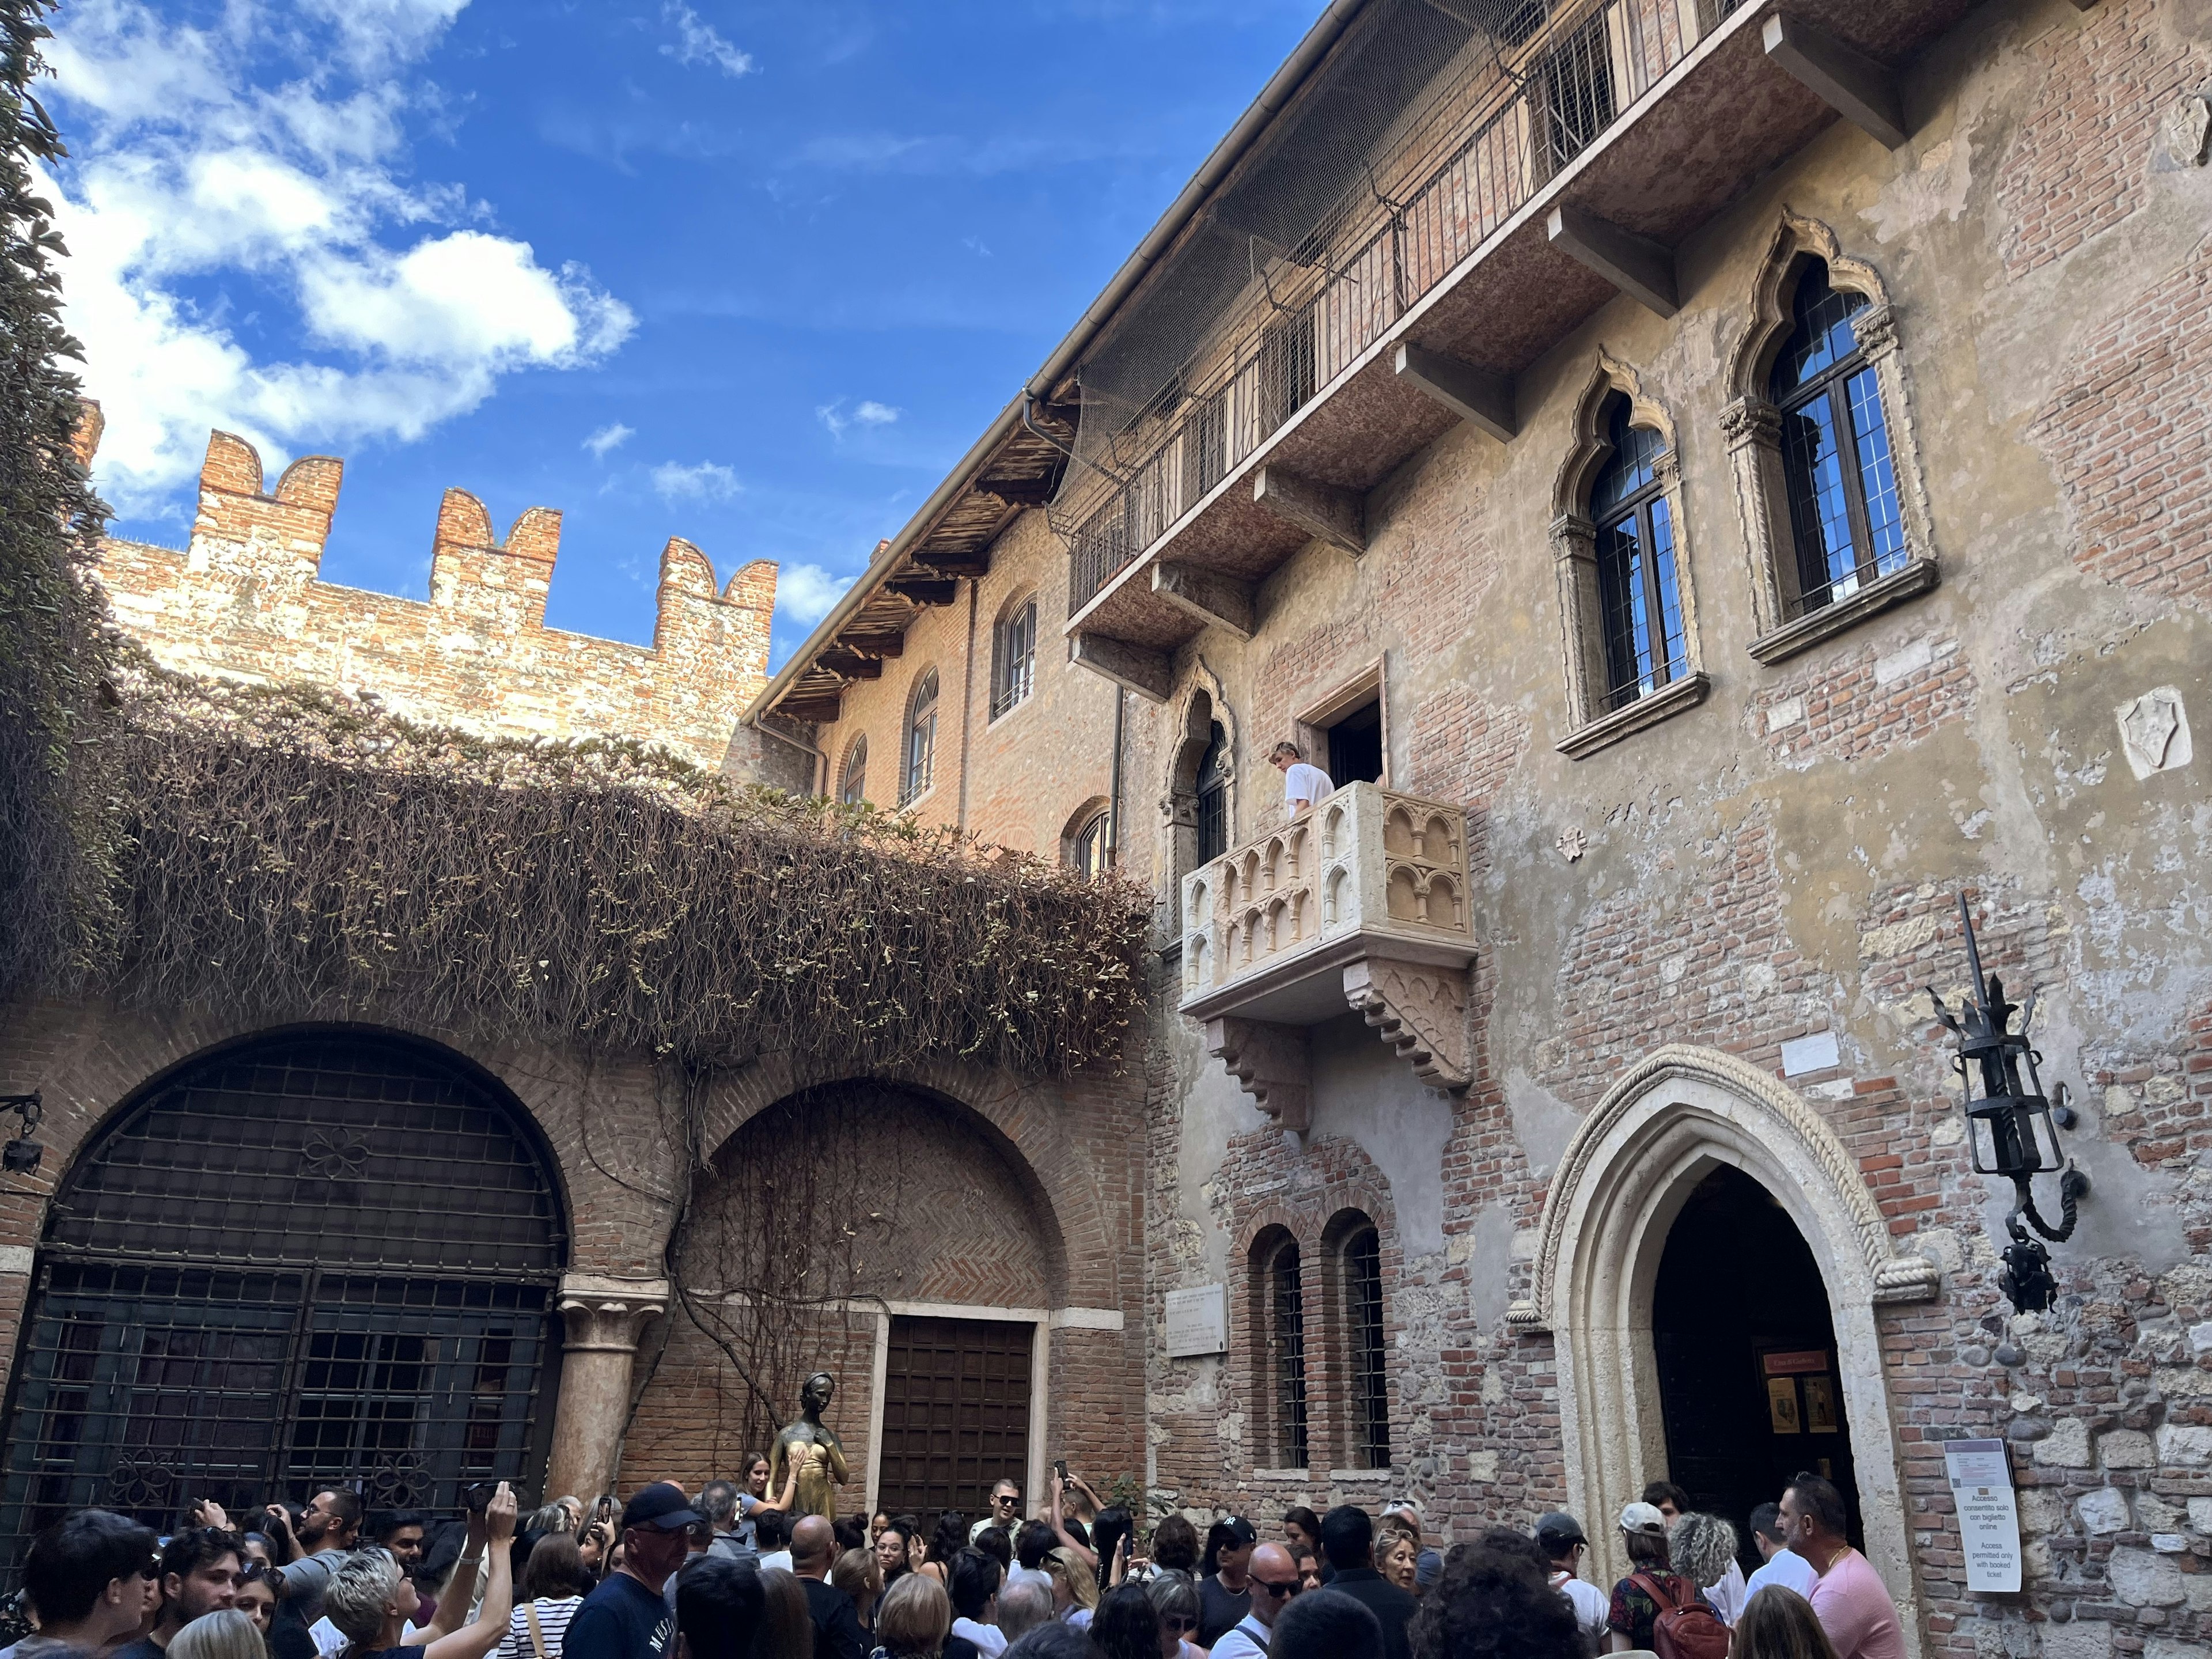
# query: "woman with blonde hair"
{"points": [[1074, 1587], [1397, 1556], [1703, 1550], [1777, 1623], [228, 1634], [914, 1620]]}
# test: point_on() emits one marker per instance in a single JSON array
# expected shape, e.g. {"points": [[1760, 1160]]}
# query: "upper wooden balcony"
{"points": [[1568, 182]]}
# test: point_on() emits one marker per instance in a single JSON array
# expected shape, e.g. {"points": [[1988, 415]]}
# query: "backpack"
{"points": [[1691, 1631]]}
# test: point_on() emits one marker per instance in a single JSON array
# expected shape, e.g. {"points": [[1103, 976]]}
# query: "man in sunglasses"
{"points": [[1005, 1513], [1274, 1577]]}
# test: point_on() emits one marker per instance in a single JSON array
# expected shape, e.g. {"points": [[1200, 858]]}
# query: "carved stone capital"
{"points": [[602, 1315], [1420, 1011], [1573, 536], [1875, 327], [1667, 467], [1271, 1063], [1750, 420]]}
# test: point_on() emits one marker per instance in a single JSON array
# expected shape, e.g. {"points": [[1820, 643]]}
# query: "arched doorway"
{"points": [[1747, 1354], [894, 1238], [312, 1260], [1635, 1166]]}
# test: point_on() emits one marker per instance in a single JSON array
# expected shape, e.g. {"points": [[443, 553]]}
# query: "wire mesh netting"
{"points": [[1429, 124], [314, 1262]]}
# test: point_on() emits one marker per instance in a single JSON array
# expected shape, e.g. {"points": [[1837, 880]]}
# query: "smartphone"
{"points": [[1060, 1466]]}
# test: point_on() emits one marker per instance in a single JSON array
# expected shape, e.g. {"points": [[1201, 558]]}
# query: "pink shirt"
{"points": [[1854, 1607]]}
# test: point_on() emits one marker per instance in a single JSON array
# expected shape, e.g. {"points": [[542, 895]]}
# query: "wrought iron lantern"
{"points": [[2012, 1130], [20, 1156]]}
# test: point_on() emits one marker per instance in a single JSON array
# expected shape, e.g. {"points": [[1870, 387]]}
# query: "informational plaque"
{"points": [[1989, 1519], [1198, 1321]]}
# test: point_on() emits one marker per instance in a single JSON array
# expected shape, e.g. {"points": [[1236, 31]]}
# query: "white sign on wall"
{"points": [[1988, 1518], [1198, 1321]]}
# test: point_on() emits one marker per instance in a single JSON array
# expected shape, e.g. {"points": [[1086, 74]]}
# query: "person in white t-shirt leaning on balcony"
{"points": [[1303, 783]]}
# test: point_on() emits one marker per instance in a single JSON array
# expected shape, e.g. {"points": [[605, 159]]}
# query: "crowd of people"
{"points": [[731, 1573]]}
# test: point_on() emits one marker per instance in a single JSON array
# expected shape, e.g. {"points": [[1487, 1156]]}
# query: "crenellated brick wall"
{"points": [[244, 599]]}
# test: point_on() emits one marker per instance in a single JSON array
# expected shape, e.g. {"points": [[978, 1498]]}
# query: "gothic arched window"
{"points": [[1844, 514], [1213, 797], [1638, 595]]}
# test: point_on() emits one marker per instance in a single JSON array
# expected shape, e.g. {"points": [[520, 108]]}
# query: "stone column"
{"points": [[602, 1318]]}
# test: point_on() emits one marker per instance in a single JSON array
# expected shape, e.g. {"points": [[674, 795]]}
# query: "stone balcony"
{"points": [[1363, 902]]}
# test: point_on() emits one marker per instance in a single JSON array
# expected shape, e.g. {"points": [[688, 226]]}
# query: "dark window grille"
{"points": [[1638, 595], [1844, 510], [1288, 369], [1204, 446], [1094, 846], [1104, 542], [1711, 13], [1287, 1347], [1362, 1311], [1575, 96], [315, 1260], [1013, 658], [853, 789], [1213, 798], [921, 739]]}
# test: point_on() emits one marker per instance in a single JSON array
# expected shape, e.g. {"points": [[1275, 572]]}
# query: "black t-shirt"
{"points": [[1219, 1611], [621, 1619], [414, 1652], [837, 1633]]}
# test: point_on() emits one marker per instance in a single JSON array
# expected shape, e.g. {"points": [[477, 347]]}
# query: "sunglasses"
{"points": [[1277, 1588], [1178, 1623]]}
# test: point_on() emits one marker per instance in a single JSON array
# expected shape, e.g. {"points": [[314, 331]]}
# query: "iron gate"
{"points": [[312, 1261]]}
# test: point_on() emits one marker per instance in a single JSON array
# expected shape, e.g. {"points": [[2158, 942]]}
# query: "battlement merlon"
{"points": [[245, 600]]}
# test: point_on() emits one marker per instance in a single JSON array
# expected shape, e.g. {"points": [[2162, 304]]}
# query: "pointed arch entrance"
{"points": [[1637, 1162], [318, 1258]]}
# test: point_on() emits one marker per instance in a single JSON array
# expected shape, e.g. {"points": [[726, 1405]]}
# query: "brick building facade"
{"points": [[1710, 865]]}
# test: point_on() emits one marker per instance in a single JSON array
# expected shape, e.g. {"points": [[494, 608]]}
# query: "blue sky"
{"points": [[754, 274]]}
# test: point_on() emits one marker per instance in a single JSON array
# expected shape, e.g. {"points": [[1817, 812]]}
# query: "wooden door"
{"points": [[955, 1415]]}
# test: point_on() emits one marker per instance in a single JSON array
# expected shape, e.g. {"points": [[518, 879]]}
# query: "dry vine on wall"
{"points": [[284, 850]]}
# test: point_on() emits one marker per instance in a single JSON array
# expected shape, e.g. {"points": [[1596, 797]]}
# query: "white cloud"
{"points": [[804, 592], [697, 42], [608, 438], [707, 480], [870, 413], [259, 165]]}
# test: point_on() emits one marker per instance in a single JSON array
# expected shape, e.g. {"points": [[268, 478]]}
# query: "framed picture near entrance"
{"points": [[1819, 1406], [1781, 1405]]}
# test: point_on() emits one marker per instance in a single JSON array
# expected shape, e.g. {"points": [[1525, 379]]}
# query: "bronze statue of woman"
{"points": [[813, 1449]]}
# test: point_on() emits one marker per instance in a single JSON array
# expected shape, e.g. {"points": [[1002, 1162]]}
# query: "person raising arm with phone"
{"points": [[373, 1601]]}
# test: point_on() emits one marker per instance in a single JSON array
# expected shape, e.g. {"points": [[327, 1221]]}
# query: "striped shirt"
{"points": [[553, 1617]]}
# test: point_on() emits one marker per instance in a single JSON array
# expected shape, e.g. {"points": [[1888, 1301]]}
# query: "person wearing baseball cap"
{"points": [[627, 1617], [1635, 1609], [1560, 1535]]}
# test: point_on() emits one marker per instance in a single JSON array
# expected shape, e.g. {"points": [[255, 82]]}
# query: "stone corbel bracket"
{"points": [[1420, 1011], [1273, 1063], [604, 1315]]}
